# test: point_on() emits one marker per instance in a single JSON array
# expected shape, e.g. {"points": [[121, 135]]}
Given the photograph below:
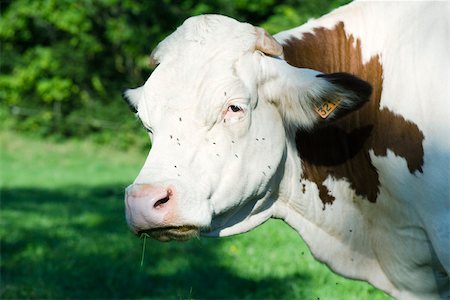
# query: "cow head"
{"points": [[220, 108]]}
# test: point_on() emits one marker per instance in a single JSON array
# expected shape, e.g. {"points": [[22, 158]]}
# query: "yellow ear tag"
{"points": [[326, 108]]}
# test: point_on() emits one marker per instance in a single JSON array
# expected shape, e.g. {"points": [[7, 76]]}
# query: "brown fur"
{"points": [[341, 149]]}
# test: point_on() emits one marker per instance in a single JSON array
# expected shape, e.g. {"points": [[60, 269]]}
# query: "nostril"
{"points": [[161, 202]]}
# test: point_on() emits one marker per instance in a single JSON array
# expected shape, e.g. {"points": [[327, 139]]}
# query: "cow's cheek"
{"points": [[248, 176]]}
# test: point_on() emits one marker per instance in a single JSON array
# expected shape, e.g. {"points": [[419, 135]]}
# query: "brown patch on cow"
{"points": [[342, 148]]}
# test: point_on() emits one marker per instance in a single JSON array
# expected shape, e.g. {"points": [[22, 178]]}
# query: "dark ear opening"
{"points": [[347, 93]]}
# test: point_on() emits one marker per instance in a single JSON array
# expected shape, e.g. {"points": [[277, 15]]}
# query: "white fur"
{"points": [[232, 176]]}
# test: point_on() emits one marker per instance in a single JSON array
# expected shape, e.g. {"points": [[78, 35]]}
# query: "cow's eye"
{"points": [[234, 108], [234, 113]]}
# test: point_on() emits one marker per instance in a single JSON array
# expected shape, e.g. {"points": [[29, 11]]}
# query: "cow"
{"points": [[339, 127]]}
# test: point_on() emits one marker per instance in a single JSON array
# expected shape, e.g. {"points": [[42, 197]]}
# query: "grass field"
{"points": [[63, 235]]}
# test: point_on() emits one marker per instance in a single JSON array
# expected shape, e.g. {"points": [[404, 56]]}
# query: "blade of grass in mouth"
{"points": [[144, 236]]}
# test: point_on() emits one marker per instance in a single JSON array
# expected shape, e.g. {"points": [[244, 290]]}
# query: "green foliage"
{"points": [[63, 236], [64, 63], [294, 13]]}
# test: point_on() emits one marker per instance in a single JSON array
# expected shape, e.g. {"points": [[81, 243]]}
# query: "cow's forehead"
{"points": [[196, 66], [206, 36], [202, 79]]}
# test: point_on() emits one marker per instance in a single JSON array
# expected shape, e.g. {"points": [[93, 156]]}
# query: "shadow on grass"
{"points": [[74, 243]]}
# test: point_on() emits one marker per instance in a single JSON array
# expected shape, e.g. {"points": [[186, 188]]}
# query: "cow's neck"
{"points": [[337, 235], [333, 162], [330, 189]]}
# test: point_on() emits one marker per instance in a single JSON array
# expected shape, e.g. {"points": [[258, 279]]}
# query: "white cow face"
{"points": [[219, 108]]}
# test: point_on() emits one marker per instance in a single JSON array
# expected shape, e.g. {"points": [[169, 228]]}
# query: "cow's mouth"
{"points": [[178, 233]]}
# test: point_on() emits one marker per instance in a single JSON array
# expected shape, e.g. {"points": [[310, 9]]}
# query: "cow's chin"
{"points": [[173, 233]]}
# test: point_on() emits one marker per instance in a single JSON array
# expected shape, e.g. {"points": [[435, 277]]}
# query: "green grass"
{"points": [[63, 235]]}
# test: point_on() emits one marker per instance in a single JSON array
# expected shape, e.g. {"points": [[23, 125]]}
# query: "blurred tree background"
{"points": [[65, 63]]}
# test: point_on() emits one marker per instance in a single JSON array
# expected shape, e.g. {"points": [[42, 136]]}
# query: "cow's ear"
{"points": [[343, 94], [307, 98], [132, 98]]}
